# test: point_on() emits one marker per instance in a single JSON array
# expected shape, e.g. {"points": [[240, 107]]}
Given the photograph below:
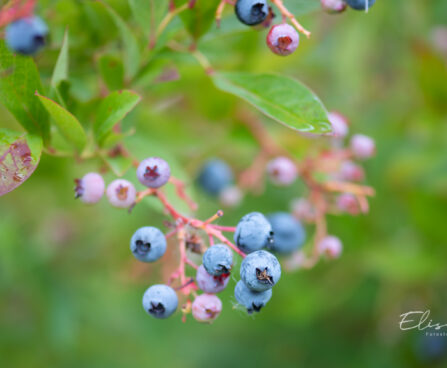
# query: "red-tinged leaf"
{"points": [[19, 156]]}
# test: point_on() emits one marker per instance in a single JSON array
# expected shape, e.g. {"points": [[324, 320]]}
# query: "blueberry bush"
{"points": [[233, 164]]}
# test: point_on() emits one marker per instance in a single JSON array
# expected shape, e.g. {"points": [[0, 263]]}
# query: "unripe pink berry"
{"points": [[348, 203], [340, 128], [231, 196], [282, 171], [209, 283], [283, 39], [90, 188], [362, 146], [331, 246], [350, 171], [333, 6], [206, 307], [303, 209], [121, 193]]}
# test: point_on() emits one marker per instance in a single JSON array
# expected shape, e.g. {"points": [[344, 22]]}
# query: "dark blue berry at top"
{"points": [[252, 300], [289, 233], [251, 12], [27, 35], [148, 244], [218, 260], [160, 301], [215, 176], [253, 232], [260, 270], [360, 4]]}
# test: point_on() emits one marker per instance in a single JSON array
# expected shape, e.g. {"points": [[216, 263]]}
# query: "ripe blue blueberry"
{"points": [[27, 35], [253, 232], [160, 301], [218, 260], [148, 244], [289, 233], [209, 283], [153, 172], [252, 300], [360, 4], [260, 270], [251, 12], [215, 176]]}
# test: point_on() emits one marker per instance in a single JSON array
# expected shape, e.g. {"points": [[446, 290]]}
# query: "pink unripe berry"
{"points": [[340, 128], [283, 39], [331, 246], [362, 146], [282, 171], [206, 307], [350, 171], [231, 196], [348, 203], [121, 193], [303, 209], [90, 188], [333, 6], [209, 283], [153, 172]]}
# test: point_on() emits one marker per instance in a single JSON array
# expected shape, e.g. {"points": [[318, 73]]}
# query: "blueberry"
{"points": [[209, 283], [153, 172], [289, 233], [260, 270], [121, 193], [218, 260], [360, 4], [215, 176], [90, 188], [206, 307], [253, 232], [431, 348], [333, 6], [251, 12], [27, 35], [331, 246], [282, 171], [362, 146], [160, 301], [252, 300], [348, 203], [339, 123], [283, 39], [148, 244]]}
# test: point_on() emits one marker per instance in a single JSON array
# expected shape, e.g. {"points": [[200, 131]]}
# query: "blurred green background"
{"points": [[70, 292]]}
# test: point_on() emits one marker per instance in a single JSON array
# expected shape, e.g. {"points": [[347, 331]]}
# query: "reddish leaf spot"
{"points": [[16, 165]]}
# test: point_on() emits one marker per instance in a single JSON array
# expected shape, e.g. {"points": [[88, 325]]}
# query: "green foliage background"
{"points": [[69, 292]]}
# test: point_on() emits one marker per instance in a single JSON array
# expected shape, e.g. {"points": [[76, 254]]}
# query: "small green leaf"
{"points": [[112, 71], [130, 44], [67, 123], [119, 165], [283, 99], [19, 79], [199, 19], [19, 157], [60, 72], [113, 109]]}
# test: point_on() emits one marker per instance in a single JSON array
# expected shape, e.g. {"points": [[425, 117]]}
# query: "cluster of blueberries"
{"points": [[282, 38]]}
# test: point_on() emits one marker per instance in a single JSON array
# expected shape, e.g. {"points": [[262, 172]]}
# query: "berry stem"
{"points": [[287, 14]]}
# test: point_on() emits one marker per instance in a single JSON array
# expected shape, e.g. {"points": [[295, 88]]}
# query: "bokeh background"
{"points": [[70, 291]]}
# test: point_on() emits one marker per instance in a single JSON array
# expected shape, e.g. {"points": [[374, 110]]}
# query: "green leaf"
{"points": [[199, 19], [19, 79], [283, 99], [19, 157], [119, 165], [302, 7], [60, 72], [67, 123], [113, 109], [112, 71], [130, 44]]}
